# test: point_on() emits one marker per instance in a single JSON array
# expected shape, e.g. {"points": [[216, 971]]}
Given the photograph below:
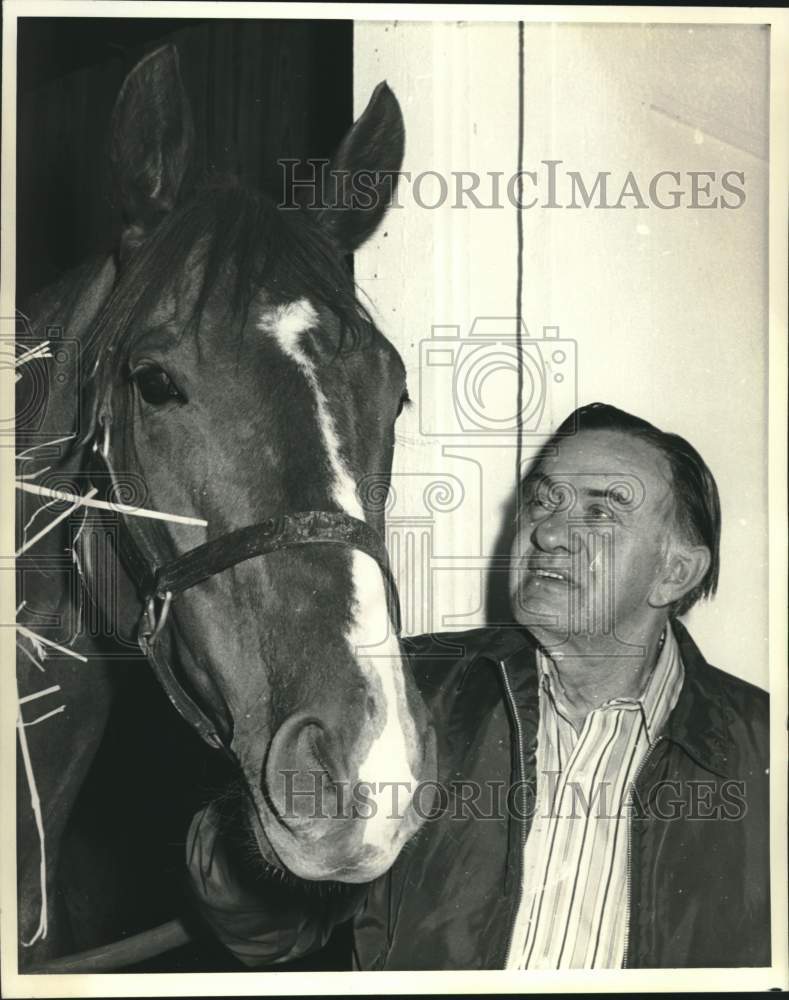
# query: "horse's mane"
{"points": [[239, 239]]}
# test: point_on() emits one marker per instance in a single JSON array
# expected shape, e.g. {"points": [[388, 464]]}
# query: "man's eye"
{"points": [[599, 513], [405, 400], [556, 497], [542, 501], [155, 385]]}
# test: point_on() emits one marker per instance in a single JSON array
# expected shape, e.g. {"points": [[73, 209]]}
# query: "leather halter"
{"points": [[159, 584]]}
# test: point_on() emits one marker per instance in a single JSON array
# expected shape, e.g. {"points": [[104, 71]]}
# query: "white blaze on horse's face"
{"points": [[385, 768], [389, 741], [288, 323]]}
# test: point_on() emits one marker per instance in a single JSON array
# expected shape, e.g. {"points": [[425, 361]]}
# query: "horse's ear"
{"points": [[150, 142], [363, 173]]}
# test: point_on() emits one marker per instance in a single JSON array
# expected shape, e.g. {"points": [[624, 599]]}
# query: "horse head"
{"points": [[234, 372]]}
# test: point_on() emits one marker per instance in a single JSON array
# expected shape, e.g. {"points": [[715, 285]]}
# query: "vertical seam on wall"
{"points": [[519, 279]]}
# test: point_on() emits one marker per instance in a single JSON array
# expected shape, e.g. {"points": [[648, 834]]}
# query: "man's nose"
{"points": [[554, 533]]}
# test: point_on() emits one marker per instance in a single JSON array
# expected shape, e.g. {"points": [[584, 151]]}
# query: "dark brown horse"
{"points": [[219, 368]]}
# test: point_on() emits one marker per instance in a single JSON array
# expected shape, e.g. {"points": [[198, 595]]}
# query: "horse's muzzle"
{"points": [[322, 822]]}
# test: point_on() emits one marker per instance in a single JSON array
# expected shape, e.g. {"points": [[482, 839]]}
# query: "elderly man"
{"points": [[603, 799]]}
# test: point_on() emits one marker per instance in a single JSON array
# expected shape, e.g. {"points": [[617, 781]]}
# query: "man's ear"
{"points": [[684, 569]]}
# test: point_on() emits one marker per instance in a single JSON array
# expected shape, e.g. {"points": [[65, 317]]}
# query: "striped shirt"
{"points": [[573, 912]]}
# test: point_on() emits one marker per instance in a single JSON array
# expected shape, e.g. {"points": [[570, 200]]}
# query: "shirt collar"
{"points": [[663, 686], [656, 700]]}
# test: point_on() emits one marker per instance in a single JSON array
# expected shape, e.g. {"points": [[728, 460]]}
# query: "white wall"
{"points": [[665, 309]]}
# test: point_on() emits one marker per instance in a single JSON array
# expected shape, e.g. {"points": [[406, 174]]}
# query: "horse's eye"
{"points": [[405, 400], [155, 385]]}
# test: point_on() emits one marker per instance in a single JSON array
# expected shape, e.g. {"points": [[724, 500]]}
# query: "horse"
{"points": [[225, 395]]}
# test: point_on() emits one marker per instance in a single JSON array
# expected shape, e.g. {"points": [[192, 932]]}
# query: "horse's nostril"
{"points": [[303, 772], [372, 708]]}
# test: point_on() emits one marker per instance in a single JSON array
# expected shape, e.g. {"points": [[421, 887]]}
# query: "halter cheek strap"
{"points": [[158, 585]]}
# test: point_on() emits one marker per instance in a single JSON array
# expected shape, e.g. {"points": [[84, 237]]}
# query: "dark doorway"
{"points": [[261, 90]]}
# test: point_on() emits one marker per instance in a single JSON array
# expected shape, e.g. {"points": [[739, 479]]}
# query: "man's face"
{"points": [[593, 530]]}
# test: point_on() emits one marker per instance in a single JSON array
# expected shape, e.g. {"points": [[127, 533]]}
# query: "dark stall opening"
{"points": [[260, 90]]}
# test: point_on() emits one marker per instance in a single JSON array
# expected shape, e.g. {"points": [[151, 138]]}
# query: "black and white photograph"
{"points": [[394, 485]]}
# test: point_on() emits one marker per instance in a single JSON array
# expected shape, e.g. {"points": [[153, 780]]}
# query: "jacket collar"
{"points": [[698, 722]]}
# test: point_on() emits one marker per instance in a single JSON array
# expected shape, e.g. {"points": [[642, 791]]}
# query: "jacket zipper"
{"points": [[628, 873], [522, 779]]}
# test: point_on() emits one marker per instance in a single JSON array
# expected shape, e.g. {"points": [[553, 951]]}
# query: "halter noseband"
{"points": [[160, 584]]}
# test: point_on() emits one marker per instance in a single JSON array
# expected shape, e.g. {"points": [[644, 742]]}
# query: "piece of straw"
{"points": [[120, 508], [35, 802], [35, 638], [39, 694], [56, 521], [43, 718], [23, 455], [39, 351], [30, 656]]}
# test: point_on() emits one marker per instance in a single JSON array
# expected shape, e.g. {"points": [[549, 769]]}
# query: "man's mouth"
{"points": [[549, 573]]}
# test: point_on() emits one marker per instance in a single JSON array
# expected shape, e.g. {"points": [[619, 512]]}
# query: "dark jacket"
{"points": [[698, 879]]}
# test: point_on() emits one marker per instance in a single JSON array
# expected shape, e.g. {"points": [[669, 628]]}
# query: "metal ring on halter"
{"points": [[155, 625]]}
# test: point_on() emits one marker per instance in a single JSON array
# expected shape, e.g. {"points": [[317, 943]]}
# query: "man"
{"points": [[603, 797]]}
